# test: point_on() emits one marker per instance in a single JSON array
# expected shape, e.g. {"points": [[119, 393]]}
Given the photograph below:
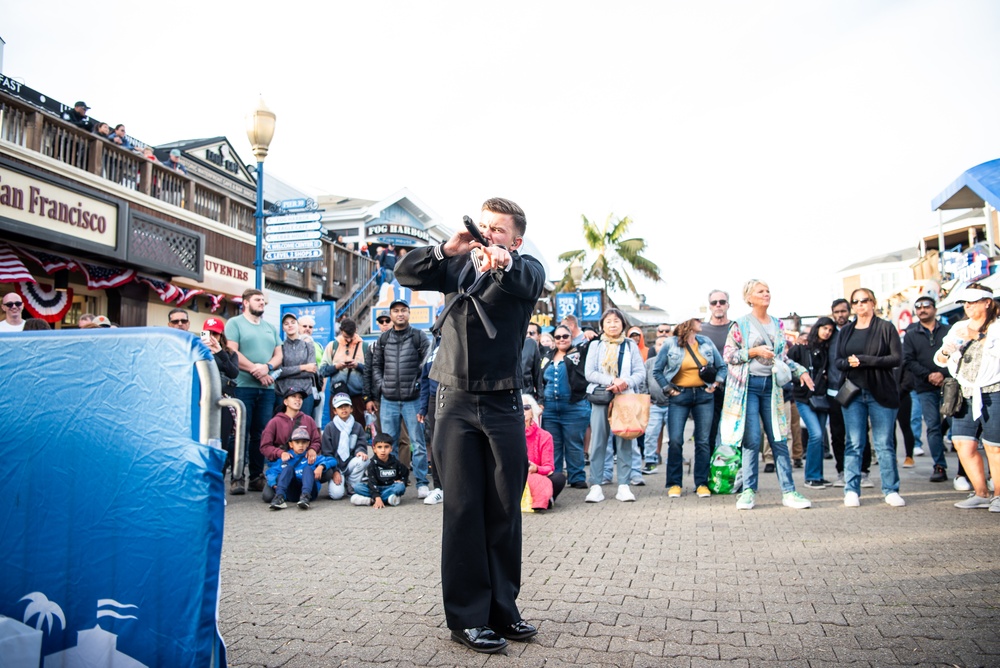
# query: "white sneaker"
{"points": [[962, 484], [393, 500], [918, 451], [435, 497], [895, 500], [974, 502], [423, 491], [624, 493], [358, 500], [866, 481], [595, 495], [851, 500], [839, 482]]}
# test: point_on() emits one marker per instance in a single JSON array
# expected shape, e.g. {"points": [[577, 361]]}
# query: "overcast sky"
{"points": [[778, 140]]}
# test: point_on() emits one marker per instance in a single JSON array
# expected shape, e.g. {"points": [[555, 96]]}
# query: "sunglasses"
{"points": [[179, 322], [922, 306], [382, 321], [527, 407], [561, 337], [718, 302], [635, 335], [13, 304], [863, 300]]}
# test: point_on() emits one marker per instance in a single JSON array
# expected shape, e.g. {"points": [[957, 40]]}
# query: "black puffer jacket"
{"points": [[396, 363]]}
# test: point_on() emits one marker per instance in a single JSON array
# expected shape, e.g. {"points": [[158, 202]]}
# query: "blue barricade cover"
{"points": [[111, 524]]}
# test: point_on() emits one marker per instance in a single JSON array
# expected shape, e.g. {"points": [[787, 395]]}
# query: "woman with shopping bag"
{"points": [[614, 367], [758, 368]]}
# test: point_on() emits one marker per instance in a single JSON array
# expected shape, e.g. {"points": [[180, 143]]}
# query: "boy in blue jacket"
{"points": [[385, 477], [293, 475]]}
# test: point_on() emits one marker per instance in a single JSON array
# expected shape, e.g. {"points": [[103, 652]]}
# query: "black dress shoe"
{"points": [[578, 485], [521, 630], [768, 468], [481, 639]]}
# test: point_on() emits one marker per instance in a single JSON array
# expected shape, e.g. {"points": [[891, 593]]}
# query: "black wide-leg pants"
{"points": [[481, 454]]}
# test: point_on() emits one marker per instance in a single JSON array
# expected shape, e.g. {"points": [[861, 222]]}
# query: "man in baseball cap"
{"points": [[78, 116]]}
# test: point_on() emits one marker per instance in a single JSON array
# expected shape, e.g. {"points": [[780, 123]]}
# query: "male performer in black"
{"points": [[479, 440]]}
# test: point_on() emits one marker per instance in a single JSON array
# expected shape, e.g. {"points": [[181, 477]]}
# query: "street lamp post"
{"points": [[576, 273], [260, 131]]}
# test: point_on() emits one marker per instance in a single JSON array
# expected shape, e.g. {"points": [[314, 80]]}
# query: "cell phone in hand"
{"points": [[206, 336], [474, 230]]}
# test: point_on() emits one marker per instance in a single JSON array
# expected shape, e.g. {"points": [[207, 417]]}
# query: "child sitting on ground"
{"points": [[346, 441], [292, 475], [385, 477]]}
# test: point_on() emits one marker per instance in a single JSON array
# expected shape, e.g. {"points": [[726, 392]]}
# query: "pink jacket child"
{"points": [[540, 453]]}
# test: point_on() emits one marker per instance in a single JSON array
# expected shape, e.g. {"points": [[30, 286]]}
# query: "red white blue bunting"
{"points": [[45, 302]]}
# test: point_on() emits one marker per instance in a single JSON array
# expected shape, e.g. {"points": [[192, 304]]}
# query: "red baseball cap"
{"points": [[214, 325]]}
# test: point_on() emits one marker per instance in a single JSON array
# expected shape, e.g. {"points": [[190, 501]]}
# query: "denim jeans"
{"points": [[815, 422], [293, 488], [916, 415], [930, 408], [259, 403], [391, 412], [600, 433], [657, 421], [759, 404], [700, 405], [883, 420], [567, 422], [396, 488]]}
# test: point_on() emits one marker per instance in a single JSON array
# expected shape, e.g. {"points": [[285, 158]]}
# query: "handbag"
{"points": [[847, 393], [628, 415], [820, 402], [951, 397], [706, 372], [780, 371], [951, 391], [601, 395]]}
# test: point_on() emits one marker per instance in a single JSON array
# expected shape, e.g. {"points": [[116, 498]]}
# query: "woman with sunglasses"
{"points": [[754, 346], [975, 344], [868, 352], [676, 370], [614, 362], [567, 411]]}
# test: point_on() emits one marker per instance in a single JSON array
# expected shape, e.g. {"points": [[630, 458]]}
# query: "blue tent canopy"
{"points": [[975, 187]]}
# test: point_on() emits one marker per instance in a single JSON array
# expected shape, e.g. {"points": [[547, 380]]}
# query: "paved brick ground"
{"points": [[660, 582]]}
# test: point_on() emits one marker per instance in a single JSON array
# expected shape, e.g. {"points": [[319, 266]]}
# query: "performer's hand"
{"points": [[493, 257], [460, 243]]}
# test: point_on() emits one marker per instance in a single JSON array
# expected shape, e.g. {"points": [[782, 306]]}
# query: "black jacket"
{"points": [[919, 346], [469, 359], [531, 367], [228, 364], [574, 369], [814, 359], [397, 362], [379, 474], [883, 353]]}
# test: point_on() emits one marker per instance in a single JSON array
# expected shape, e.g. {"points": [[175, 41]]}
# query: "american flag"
{"points": [[12, 270], [99, 277], [216, 301], [50, 262], [187, 294], [167, 291]]}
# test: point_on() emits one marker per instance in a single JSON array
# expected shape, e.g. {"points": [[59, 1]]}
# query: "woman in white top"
{"points": [[975, 344]]}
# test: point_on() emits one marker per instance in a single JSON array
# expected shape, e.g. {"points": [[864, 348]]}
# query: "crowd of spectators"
{"points": [[746, 384]]}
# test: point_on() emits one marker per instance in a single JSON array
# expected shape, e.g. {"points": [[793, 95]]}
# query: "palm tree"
{"points": [[613, 257]]}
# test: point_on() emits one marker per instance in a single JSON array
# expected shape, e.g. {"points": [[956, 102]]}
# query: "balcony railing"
{"points": [[36, 130]]}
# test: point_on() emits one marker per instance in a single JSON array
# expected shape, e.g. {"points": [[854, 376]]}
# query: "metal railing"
{"points": [[35, 130]]}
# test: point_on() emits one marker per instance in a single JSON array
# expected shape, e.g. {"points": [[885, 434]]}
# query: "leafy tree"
{"points": [[609, 256]]}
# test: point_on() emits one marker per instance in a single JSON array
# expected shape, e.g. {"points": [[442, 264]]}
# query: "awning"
{"points": [[972, 189]]}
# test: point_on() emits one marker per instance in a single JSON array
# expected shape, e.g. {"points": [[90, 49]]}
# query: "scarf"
{"points": [[344, 445], [609, 364]]}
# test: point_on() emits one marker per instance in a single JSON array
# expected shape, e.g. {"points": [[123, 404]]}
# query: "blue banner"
{"points": [[112, 526], [325, 314], [586, 306]]}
